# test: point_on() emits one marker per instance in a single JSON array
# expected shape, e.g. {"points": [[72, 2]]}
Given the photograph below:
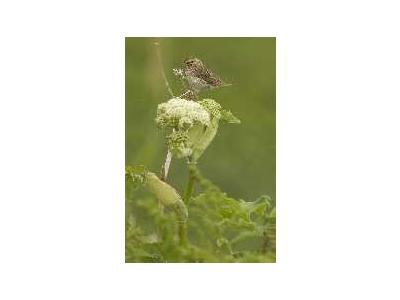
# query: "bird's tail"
{"points": [[224, 84]]}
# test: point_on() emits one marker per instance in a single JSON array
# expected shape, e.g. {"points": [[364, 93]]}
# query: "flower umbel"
{"points": [[180, 113], [193, 125]]}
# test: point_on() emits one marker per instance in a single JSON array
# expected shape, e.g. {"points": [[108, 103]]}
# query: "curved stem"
{"points": [[157, 44], [168, 158]]}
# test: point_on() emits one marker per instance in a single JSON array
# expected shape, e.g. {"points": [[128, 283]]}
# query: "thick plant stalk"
{"points": [[182, 232], [191, 181]]}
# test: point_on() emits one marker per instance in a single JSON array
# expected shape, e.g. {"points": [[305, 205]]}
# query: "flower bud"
{"points": [[167, 195]]}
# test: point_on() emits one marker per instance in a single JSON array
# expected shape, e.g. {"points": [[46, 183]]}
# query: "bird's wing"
{"points": [[208, 76]]}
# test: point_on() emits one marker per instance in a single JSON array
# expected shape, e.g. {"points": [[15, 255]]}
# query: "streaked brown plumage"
{"points": [[199, 77]]}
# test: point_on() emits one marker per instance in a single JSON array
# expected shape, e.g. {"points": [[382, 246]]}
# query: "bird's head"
{"points": [[193, 61]]}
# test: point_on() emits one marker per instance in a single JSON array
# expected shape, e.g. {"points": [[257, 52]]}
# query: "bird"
{"points": [[199, 78]]}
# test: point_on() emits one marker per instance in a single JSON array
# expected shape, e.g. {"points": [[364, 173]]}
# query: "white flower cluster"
{"points": [[191, 126], [181, 113]]}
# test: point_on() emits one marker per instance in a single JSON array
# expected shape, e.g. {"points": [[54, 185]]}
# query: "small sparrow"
{"points": [[198, 76]]}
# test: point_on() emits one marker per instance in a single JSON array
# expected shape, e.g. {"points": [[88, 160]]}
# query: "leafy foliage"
{"points": [[136, 175], [210, 227], [220, 228]]}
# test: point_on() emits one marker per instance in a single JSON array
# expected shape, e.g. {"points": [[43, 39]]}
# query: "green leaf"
{"points": [[228, 117]]}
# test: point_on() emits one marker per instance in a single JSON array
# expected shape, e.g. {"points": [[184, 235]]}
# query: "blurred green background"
{"points": [[241, 158]]}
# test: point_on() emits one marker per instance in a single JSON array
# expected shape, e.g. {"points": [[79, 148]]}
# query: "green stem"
{"points": [[265, 242], [191, 181], [182, 231]]}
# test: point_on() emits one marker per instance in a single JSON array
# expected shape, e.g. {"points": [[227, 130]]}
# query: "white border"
{"points": [[62, 150]]}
